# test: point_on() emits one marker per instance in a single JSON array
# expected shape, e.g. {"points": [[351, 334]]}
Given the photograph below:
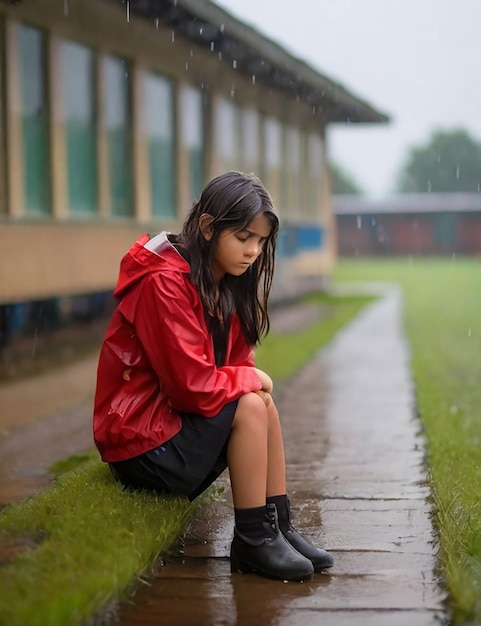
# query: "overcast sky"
{"points": [[419, 61]]}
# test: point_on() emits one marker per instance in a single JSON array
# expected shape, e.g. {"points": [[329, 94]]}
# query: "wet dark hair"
{"points": [[234, 200]]}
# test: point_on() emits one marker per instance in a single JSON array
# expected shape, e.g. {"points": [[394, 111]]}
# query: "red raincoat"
{"points": [[157, 358]]}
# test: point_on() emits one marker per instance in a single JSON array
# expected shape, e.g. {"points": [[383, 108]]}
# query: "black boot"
{"points": [[265, 551], [321, 559]]}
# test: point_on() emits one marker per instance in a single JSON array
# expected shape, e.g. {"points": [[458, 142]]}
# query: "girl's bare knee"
{"points": [[250, 407]]}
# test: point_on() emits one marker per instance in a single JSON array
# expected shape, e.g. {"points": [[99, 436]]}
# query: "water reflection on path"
{"points": [[202, 592]]}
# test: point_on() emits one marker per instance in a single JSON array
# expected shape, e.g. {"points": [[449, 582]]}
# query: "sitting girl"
{"points": [[178, 395]]}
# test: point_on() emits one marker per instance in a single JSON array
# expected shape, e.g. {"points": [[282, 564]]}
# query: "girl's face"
{"points": [[236, 251]]}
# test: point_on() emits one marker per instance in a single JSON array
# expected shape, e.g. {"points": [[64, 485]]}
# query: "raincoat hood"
{"points": [[145, 257]]}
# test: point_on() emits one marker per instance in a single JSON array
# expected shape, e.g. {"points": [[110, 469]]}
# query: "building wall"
{"points": [[81, 176]]}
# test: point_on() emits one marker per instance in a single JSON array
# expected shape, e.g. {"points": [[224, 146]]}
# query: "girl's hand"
{"points": [[266, 381]]}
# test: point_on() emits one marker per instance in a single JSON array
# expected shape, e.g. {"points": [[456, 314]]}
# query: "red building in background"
{"points": [[425, 224]]}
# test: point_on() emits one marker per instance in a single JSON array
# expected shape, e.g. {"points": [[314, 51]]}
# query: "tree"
{"points": [[342, 182], [451, 161]]}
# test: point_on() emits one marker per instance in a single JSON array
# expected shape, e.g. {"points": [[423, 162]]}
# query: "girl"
{"points": [[178, 395]]}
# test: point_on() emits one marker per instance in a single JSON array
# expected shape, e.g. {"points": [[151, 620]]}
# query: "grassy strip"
{"points": [[87, 540], [443, 323], [84, 540]]}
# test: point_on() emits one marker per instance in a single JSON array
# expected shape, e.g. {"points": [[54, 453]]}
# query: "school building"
{"points": [[114, 114]]}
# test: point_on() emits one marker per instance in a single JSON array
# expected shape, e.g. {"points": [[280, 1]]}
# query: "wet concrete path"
{"points": [[356, 478]]}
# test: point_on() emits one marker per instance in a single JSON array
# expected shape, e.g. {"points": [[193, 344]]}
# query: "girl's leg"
{"points": [[276, 462], [258, 474], [256, 453], [256, 464], [247, 452], [277, 494]]}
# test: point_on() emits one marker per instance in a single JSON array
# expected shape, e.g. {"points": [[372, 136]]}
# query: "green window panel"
{"points": [[118, 123], [159, 130], [162, 177], [78, 90], [445, 228], [82, 168], [35, 139]]}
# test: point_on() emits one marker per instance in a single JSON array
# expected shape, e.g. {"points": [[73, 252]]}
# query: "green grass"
{"points": [[443, 324], [84, 541]]}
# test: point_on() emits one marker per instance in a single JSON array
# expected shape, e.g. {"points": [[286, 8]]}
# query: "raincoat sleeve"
{"points": [[170, 325]]}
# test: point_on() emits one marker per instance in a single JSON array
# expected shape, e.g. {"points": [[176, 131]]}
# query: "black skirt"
{"points": [[186, 464]]}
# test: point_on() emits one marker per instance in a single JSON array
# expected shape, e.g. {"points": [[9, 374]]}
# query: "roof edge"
{"points": [[327, 96]]}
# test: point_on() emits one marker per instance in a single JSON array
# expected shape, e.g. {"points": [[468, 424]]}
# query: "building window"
{"points": [[315, 170], [250, 140], [193, 136], [272, 143], [159, 129], [293, 167], [117, 120], [78, 94], [226, 132], [34, 120]]}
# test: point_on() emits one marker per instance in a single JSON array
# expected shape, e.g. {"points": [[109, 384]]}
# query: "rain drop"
{"points": [[222, 28], [234, 64], [212, 46], [359, 222], [457, 172], [186, 66], [127, 8], [173, 36], [469, 332], [253, 79], [157, 23], [430, 186]]}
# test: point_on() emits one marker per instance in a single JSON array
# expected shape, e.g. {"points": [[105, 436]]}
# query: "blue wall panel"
{"points": [[294, 239]]}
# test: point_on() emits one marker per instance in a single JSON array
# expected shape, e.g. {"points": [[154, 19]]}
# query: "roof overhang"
{"points": [[257, 56], [413, 203]]}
